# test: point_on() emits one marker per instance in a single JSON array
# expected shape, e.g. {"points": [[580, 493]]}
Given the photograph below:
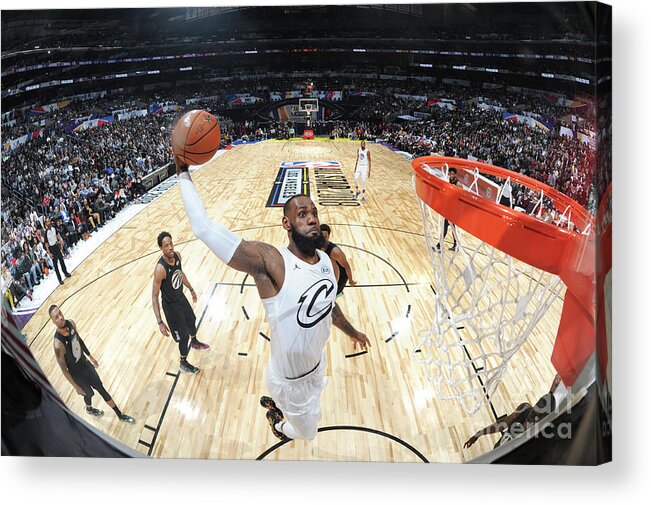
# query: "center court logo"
{"points": [[314, 303], [332, 187], [292, 179]]}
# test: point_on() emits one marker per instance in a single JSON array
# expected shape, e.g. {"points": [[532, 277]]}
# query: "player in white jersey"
{"points": [[298, 287], [362, 169]]}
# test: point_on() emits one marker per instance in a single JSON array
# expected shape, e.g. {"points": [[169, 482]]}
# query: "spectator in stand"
{"points": [[32, 264], [92, 216], [24, 269], [102, 208], [81, 228], [19, 287]]}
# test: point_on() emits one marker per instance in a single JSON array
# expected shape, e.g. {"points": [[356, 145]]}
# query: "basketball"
{"points": [[196, 137]]}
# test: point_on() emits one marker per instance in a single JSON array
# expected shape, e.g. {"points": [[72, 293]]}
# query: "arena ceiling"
{"points": [[519, 43]]}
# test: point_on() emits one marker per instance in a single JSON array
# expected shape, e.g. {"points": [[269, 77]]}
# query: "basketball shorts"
{"points": [[362, 171], [88, 379], [299, 399], [180, 320]]}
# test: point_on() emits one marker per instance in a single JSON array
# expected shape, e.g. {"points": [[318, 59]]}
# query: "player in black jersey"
{"points": [[518, 421], [170, 279], [71, 352], [336, 254]]}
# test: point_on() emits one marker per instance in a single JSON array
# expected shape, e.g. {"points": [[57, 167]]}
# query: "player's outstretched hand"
{"points": [[164, 329], [94, 362], [180, 165], [352, 282], [194, 296], [469, 442], [362, 340]]}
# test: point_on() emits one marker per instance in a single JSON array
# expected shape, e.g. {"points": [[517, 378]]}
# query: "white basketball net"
{"points": [[486, 305]]}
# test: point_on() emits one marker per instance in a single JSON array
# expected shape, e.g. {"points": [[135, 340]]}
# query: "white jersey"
{"points": [[300, 315], [362, 158]]}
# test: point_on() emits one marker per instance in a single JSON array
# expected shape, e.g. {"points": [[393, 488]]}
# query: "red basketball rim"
{"points": [[557, 250], [537, 243]]}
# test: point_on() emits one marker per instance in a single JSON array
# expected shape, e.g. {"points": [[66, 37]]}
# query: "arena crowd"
{"points": [[81, 179]]}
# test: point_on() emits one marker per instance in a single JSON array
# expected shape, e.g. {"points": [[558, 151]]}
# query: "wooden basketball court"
{"points": [[377, 406]]}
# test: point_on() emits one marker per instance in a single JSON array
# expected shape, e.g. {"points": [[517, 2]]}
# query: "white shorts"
{"points": [[362, 171], [299, 399]]}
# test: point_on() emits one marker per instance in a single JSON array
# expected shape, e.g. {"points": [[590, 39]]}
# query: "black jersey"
{"points": [[343, 276], [75, 347], [172, 285], [515, 428]]}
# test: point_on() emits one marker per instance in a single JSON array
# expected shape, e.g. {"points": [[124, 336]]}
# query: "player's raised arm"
{"points": [[245, 256]]}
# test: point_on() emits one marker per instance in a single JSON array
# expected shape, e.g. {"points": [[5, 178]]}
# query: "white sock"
{"points": [[287, 429]]}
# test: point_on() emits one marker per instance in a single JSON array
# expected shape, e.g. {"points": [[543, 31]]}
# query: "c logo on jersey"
{"points": [[177, 279], [317, 294]]}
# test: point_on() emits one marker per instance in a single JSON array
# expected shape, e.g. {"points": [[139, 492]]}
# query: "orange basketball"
{"points": [[196, 137]]}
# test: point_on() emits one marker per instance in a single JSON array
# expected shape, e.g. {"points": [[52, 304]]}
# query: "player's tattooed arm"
{"points": [[249, 257], [260, 260], [60, 353], [340, 321]]}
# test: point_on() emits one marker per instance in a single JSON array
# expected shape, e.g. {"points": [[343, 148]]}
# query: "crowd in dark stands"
{"points": [[80, 180], [566, 164]]}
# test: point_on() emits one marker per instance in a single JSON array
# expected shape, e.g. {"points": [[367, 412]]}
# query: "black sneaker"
{"points": [[68, 276], [94, 412], [268, 403], [126, 419], [453, 248], [273, 417], [186, 367]]}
